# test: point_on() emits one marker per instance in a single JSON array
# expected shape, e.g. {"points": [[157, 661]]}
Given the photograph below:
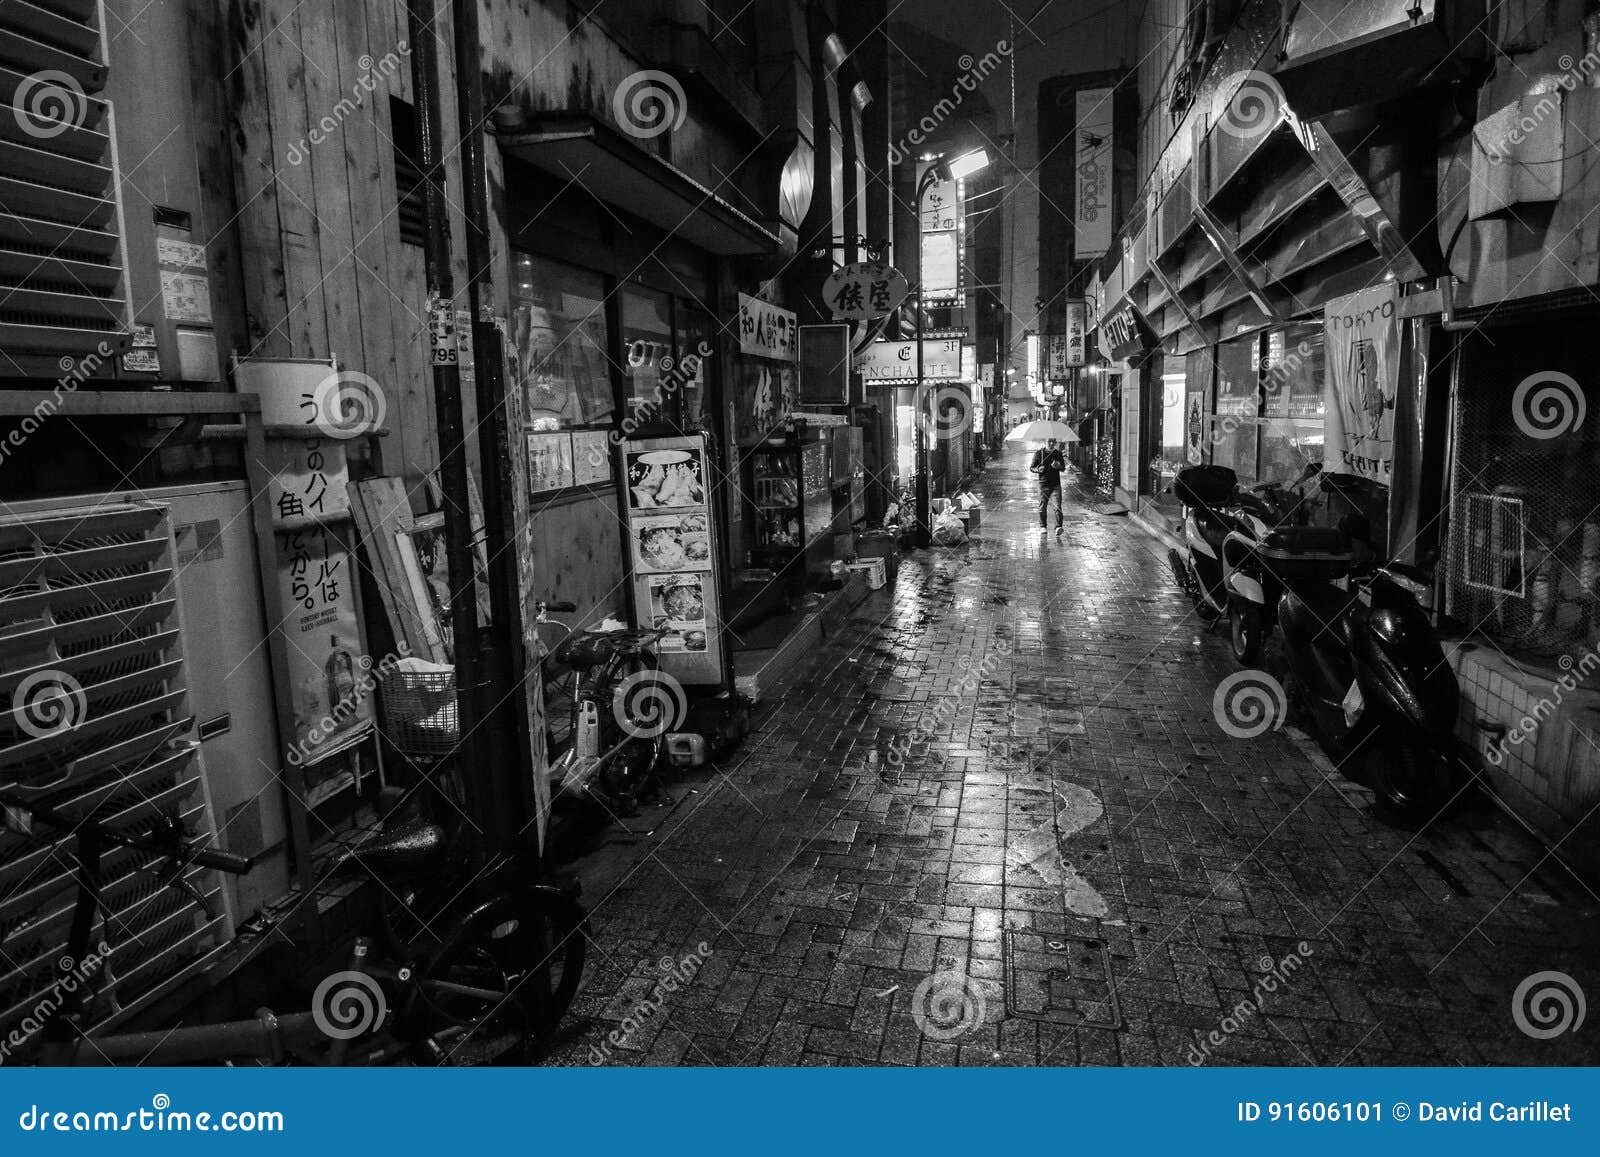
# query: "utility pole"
{"points": [[445, 359], [509, 768]]}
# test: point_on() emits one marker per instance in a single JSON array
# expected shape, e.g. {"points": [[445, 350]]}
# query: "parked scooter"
{"points": [[1367, 663], [1241, 549], [1269, 551]]}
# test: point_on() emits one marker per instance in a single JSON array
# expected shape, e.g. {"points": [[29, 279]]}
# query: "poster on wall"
{"points": [[767, 396], [1363, 377], [327, 669], [672, 552], [550, 465]]}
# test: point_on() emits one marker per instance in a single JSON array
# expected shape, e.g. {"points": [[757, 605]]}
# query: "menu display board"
{"points": [[672, 553]]}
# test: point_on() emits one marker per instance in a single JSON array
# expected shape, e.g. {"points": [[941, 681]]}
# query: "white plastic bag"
{"points": [[948, 530]]}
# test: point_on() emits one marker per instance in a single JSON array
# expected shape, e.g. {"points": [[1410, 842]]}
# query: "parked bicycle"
{"points": [[465, 964], [610, 708]]}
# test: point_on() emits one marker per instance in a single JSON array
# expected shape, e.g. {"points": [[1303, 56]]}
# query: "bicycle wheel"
{"points": [[476, 1001]]}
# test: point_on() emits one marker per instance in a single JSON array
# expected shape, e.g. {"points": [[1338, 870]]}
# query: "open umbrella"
{"points": [[1042, 430]]}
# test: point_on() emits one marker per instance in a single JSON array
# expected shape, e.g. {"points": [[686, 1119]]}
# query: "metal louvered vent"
{"points": [[95, 724], [62, 288]]}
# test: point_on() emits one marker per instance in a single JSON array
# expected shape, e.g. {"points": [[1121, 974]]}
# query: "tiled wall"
{"points": [[1551, 778]]}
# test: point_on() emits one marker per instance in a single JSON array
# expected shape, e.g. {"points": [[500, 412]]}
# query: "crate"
{"points": [[875, 570]]}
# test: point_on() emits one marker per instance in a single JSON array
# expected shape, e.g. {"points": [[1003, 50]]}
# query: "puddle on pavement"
{"points": [[1039, 853]]}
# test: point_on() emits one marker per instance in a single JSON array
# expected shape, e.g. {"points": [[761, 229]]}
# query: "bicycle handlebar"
{"points": [[169, 844], [220, 860], [564, 607]]}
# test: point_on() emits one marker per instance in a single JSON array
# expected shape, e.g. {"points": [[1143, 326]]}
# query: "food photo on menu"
{"points": [[678, 605], [665, 479], [672, 542]]}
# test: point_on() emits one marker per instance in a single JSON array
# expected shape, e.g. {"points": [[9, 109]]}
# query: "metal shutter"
{"points": [[62, 288], [95, 722]]}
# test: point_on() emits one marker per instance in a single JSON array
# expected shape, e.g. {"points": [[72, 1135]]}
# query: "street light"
{"points": [[938, 169]]}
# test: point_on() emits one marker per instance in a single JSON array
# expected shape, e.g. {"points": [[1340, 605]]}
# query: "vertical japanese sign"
{"points": [[1075, 349], [1363, 376], [940, 253], [1093, 129]]}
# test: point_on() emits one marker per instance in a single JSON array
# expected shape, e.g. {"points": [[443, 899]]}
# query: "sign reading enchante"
{"points": [[896, 361]]}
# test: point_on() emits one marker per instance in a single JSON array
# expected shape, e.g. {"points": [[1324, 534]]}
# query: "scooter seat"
{"points": [[1306, 540]]}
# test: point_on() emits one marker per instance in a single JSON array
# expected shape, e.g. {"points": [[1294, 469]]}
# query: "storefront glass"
{"points": [[559, 342], [646, 339], [1234, 426]]}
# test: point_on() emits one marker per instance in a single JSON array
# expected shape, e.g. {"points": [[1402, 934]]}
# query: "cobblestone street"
{"points": [[1005, 774]]}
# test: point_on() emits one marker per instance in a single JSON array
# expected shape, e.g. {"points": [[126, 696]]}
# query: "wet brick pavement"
{"points": [[1005, 774]]}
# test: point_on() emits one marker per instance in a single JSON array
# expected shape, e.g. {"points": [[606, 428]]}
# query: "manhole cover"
{"points": [[1061, 979]]}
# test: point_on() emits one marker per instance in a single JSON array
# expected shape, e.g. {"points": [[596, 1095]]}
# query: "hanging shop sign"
{"points": [[1363, 377], [896, 361], [672, 551], [767, 330], [1092, 204], [865, 291], [1075, 341], [1122, 332]]}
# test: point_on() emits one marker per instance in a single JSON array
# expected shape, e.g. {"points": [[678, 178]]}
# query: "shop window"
{"points": [[1234, 426], [1291, 385], [559, 338], [646, 340]]}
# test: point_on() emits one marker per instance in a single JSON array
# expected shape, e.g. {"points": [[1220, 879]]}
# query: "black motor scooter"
{"points": [[1368, 664]]}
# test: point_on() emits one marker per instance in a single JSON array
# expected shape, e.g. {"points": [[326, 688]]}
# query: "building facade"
{"points": [[1361, 242]]}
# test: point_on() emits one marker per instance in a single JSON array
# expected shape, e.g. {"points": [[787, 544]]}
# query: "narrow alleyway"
{"points": [[1005, 774]]}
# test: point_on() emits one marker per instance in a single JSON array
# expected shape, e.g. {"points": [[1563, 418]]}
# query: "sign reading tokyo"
{"points": [[1363, 377], [896, 361], [767, 330], [865, 291]]}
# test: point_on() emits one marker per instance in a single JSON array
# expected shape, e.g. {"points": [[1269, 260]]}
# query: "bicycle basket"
{"points": [[419, 709]]}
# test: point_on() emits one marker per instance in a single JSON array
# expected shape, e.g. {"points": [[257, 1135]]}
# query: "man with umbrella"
{"points": [[1049, 464]]}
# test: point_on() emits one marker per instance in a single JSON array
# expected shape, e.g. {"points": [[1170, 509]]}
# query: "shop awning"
{"points": [[576, 146]]}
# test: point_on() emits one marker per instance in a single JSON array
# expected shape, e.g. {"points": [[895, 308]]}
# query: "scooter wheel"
{"points": [[1411, 779], [1180, 572], [1248, 632]]}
